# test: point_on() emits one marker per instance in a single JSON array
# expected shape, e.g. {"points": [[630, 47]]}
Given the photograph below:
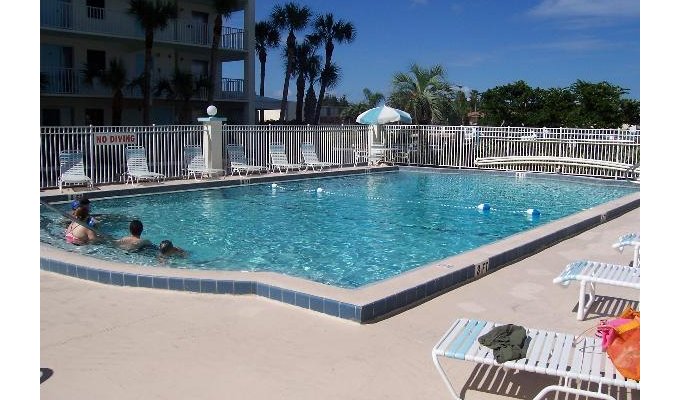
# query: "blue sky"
{"points": [[480, 43]]}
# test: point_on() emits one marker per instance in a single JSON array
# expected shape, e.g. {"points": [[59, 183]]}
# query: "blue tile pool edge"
{"points": [[363, 313]]}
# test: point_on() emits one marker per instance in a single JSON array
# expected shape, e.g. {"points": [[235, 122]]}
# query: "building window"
{"points": [[94, 116], [95, 8], [96, 60]]}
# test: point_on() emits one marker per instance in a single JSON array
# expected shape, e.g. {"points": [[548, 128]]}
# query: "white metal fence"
{"points": [[106, 163], [420, 145], [575, 151]]}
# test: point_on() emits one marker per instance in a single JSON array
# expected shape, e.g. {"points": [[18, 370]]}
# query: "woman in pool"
{"points": [[78, 232]]}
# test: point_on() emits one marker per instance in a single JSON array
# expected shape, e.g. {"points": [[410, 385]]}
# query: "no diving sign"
{"points": [[103, 139]]}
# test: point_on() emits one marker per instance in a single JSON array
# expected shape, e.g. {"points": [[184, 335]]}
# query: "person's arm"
{"points": [[92, 237]]}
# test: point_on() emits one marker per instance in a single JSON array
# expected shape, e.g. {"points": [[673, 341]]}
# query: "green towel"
{"points": [[507, 341]]}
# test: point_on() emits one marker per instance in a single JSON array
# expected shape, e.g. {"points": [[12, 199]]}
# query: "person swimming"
{"points": [[83, 203], [78, 232], [167, 249], [134, 242]]}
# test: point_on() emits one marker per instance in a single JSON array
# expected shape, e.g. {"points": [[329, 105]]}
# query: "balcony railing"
{"points": [[67, 16], [55, 80]]}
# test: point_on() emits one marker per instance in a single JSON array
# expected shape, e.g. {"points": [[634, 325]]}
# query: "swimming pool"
{"points": [[344, 231]]}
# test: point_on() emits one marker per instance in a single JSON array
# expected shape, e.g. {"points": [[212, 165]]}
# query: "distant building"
{"points": [[329, 114], [74, 33]]}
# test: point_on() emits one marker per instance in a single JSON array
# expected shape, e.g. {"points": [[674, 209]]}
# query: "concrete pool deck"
{"points": [[119, 342]]}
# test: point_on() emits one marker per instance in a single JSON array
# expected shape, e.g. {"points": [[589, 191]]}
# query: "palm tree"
{"points": [[223, 8], [180, 86], [114, 77], [373, 98], [291, 17], [326, 32], [331, 75], [266, 36], [312, 70], [422, 92], [151, 15], [305, 59]]}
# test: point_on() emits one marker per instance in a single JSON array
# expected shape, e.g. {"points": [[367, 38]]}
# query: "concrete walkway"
{"points": [[110, 342]]}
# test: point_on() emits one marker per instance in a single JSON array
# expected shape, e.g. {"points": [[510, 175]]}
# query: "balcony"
{"points": [[69, 17], [69, 81]]}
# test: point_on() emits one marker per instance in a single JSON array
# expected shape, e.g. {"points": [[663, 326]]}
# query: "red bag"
{"points": [[621, 339]]}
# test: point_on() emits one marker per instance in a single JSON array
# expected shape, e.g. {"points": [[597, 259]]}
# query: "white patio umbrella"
{"points": [[377, 116], [383, 115]]}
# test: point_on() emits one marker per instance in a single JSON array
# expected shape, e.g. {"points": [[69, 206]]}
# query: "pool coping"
{"points": [[366, 304]]}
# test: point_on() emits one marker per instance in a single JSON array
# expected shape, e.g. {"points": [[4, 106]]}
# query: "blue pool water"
{"points": [[343, 231]]}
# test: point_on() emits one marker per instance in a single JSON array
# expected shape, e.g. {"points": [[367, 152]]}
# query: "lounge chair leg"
{"points": [[448, 383], [587, 290]]}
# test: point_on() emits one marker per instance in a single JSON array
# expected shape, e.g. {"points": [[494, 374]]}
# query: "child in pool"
{"points": [[167, 249]]}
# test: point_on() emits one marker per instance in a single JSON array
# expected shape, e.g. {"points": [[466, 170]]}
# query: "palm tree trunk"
{"points": [[290, 49], [212, 72], [263, 61], [185, 115], [319, 102], [310, 104], [146, 90], [324, 83], [300, 97], [117, 108]]}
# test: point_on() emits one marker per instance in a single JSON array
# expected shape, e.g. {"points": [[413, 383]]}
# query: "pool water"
{"points": [[343, 231]]}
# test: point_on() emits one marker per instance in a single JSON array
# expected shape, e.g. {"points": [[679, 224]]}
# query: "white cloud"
{"points": [[586, 8], [586, 44]]}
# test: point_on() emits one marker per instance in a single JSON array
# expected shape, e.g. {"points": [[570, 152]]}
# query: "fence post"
{"points": [[212, 138]]}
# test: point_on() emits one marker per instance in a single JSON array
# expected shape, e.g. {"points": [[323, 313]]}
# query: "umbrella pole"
{"points": [[371, 132]]}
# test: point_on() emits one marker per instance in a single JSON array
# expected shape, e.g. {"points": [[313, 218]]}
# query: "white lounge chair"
{"points": [[630, 239], [239, 162], [72, 169], [138, 166], [279, 159], [377, 154], [310, 158], [590, 273], [549, 353], [196, 166]]}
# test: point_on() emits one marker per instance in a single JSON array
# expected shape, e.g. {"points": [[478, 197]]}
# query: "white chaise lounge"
{"points": [[279, 159], [589, 273], [311, 160], [549, 353], [239, 162], [72, 169], [630, 239], [138, 166], [196, 165]]}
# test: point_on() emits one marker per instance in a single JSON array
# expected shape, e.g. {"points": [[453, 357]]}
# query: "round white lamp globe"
{"points": [[212, 110]]}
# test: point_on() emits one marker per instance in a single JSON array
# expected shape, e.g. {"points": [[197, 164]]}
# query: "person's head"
{"points": [[136, 227], [81, 213], [82, 202], [165, 247]]}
